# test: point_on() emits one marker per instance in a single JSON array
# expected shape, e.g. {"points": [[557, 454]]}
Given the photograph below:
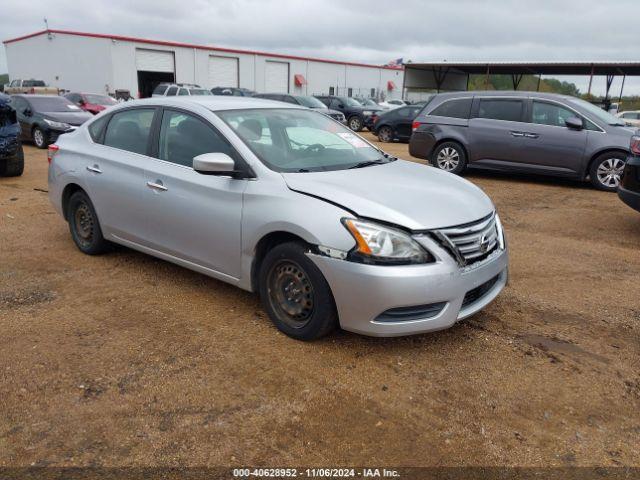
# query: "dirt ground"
{"points": [[123, 359]]}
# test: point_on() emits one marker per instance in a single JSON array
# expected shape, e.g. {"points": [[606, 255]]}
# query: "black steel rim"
{"points": [[83, 223], [290, 293]]}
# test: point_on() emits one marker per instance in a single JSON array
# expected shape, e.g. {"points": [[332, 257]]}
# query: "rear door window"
{"points": [[501, 109], [183, 91], [457, 108], [160, 89], [129, 130], [172, 91]]}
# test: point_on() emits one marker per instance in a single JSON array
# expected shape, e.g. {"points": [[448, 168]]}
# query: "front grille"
{"points": [[404, 314], [471, 242], [479, 292]]}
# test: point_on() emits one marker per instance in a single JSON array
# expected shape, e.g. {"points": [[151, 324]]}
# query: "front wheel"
{"points": [[606, 171], [450, 157], [355, 123], [295, 294], [39, 138]]}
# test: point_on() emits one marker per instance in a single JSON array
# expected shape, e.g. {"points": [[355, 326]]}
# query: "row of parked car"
{"points": [[524, 132]]}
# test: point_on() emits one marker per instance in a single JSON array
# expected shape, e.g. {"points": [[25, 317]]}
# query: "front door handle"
{"points": [[157, 186], [517, 134], [531, 135], [94, 169]]}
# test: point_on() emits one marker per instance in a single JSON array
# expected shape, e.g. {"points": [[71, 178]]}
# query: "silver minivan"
{"points": [[287, 202]]}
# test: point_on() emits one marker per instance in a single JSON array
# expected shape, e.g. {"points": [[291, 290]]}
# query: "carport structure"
{"points": [[451, 76]]}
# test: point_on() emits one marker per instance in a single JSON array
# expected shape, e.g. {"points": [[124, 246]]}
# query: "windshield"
{"points": [[310, 102], [200, 91], [100, 100], [367, 102], [599, 113], [290, 140], [51, 104], [350, 102]]}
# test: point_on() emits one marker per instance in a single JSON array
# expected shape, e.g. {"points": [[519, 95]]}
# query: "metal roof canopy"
{"points": [[441, 70]]}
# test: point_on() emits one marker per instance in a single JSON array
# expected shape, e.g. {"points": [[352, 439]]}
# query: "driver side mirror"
{"points": [[340, 105], [574, 123], [27, 112], [215, 164]]}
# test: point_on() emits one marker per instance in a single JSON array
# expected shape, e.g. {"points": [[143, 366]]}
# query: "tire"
{"points": [[39, 138], [84, 225], [385, 134], [295, 294], [13, 167], [606, 170], [355, 123], [450, 157]]}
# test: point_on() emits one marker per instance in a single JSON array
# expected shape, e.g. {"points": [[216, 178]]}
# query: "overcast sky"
{"points": [[369, 31]]}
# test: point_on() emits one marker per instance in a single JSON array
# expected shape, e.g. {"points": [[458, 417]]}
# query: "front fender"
{"points": [[315, 221]]}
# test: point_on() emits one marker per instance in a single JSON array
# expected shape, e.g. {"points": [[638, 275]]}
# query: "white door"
{"points": [[154, 61], [223, 72], [276, 77]]}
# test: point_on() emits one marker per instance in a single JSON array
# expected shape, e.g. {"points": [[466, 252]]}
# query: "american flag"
{"points": [[395, 63]]}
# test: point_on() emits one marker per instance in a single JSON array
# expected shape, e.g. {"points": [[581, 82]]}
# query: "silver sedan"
{"points": [[287, 202]]}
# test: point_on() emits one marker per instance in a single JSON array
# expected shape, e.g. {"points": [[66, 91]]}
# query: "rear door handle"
{"points": [[157, 186], [94, 169], [517, 134], [531, 135]]}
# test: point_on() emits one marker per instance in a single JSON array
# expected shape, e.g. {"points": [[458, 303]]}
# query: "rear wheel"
{"points": [[385, 134], [450, 157], [13, 167], [39, 138], [295, 294], [606, 171], [355, 123], [84, 226]]}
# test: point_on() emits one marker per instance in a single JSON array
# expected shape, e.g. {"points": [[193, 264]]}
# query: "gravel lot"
{"points": [[127, 360]]}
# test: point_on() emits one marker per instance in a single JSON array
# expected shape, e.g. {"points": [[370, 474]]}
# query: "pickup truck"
{"points": [[29, 86]]}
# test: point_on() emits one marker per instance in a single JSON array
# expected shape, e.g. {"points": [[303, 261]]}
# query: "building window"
{"points": [[350, 92], [332, 91], [373, 93]]}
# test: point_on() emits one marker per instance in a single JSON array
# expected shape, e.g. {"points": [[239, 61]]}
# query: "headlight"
{"points": [[367, 112], [59, 125], [377, 243]]}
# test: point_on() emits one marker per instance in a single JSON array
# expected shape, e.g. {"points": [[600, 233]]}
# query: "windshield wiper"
{"points": [[367, 163]]}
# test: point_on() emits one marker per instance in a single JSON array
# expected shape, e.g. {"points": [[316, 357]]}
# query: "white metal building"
{"points": [[100, 63]]}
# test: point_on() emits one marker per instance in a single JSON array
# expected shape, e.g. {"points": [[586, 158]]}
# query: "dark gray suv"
{"points": [[525, 132]]}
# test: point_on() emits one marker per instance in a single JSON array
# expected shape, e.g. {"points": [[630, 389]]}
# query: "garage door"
{"points": [[276, 77], [223, 72], [154, 61]]}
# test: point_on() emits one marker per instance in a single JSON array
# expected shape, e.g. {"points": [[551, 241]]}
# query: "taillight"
{"points": [[415, 125], [635, 145], [51, 152]]}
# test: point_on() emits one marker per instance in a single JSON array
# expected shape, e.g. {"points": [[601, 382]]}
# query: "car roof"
{"points": [[503, 93], [215, 103], [26, 95]]}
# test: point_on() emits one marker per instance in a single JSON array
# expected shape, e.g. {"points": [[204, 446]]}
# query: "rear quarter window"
{"points": [[97, 127], [456, 108]]}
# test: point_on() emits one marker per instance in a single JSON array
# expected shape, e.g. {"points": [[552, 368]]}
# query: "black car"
{"points": [[305, 101], [11, 154], [233, 91], [629, 189], [43, 118], [356, 114], [395, 124]]}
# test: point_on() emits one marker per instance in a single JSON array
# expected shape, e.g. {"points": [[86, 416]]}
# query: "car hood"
{"points": [[404, 193], [72, 118]]}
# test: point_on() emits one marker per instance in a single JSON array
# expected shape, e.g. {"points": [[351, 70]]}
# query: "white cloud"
{"points": [[360, 30]]}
